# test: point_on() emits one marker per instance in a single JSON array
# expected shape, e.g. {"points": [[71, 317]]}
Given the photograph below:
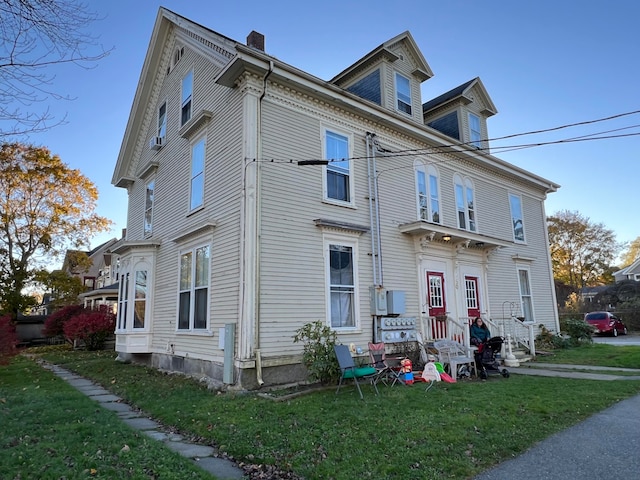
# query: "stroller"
{"points": [[486, 361]]}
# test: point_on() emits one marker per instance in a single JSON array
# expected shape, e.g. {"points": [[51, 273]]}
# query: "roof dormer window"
{"points": [[403, 94], [475, 134]]}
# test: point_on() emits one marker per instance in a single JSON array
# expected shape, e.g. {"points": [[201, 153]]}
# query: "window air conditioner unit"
{"points": [[155, 143]]}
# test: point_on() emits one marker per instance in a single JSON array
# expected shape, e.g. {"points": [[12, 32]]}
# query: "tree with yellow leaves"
{"points": [[45, 208]]}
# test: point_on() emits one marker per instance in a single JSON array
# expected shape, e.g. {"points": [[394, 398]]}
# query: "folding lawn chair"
{"points": [[349, 370]]}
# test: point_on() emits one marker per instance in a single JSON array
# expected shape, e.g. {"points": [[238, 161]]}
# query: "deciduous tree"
{"points": [[45, 208], [582, 252], [34, 36], [631, 254]]}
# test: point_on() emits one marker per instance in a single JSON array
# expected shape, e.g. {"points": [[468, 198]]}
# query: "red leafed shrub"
{"points": [[8, 339], [54, 325], [92, 327]]}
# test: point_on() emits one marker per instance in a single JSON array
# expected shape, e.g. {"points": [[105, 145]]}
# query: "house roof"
{"points": [[236, 58], [462, 92], [633, 268], [422, 71]]}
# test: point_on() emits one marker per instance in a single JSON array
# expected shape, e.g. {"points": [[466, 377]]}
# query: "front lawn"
{"points": [[452, 431]]}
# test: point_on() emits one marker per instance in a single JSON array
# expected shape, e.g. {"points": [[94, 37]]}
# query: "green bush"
{"points": [[318, 354], [578, 330]]}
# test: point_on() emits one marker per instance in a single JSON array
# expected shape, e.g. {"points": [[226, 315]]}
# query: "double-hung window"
{"points": [[148, 208], [162, 120], [465, 203], [140, 300], [187, 93], [341, 277], [517, 222], [525, 294], [427, 191], [197, 174], [338, 175], [193, 304], [403, 94], [475, 134]]}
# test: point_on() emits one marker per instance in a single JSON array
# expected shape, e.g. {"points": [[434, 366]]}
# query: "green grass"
{"points": [[452, 431], [49, 430], [596, 354]]}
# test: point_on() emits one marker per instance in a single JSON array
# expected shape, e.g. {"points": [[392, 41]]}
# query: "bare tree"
{"points": [[34, 36]]}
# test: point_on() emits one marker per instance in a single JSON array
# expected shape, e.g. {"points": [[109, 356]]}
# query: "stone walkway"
{"points": [[584, 372], [203, 456]]}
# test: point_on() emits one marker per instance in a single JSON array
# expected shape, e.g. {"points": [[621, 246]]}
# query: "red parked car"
{"points": [[606, 322]]}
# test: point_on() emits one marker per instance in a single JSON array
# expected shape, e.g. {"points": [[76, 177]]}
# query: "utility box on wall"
{"points": [[378, 300], [396, 304]]}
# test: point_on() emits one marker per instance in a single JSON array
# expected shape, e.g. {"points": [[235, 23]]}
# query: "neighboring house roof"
{"points": [[99, 292], [628, 272]]}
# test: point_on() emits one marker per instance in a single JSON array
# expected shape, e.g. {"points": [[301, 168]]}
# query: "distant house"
{"points": [[262, 198], [632, 272]]}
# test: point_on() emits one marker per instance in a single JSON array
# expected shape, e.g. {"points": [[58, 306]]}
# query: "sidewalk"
{"points": [[605, 445], [203, 456]]}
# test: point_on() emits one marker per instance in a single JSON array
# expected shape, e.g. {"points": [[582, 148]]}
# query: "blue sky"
{"points": [[544, 64]]}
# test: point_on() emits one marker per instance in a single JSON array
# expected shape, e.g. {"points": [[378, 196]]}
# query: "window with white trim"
{"points": [[140, 300], [148, 208], [403, 94], [526, 300], [162, 120], [475, 132], [123, 302], [193, 303], [338, 175], [517, 220], [342, 301], [187, 93], [427, 191], [197, 174], [465, 203]]}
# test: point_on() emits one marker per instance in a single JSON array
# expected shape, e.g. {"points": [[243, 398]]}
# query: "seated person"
{"points": [[479, 332]]}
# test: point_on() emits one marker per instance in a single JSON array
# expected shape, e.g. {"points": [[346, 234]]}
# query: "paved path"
{"points": [[204, 456], [605, 445]]}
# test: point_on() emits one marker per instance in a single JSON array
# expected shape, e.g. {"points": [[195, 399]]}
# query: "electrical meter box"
{"points": [[395, 302], [378, 299]]}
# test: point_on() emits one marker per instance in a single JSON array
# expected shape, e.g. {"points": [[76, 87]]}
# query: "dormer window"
{"points": [[475, 134], [403, 94]]}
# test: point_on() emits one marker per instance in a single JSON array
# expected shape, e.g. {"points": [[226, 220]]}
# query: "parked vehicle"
{"points": [[606, 323]]}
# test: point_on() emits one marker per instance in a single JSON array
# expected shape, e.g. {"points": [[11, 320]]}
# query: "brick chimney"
{"points": [[256, 40]]}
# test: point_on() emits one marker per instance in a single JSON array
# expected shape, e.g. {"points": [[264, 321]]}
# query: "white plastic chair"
{"points": [[455, 355]]}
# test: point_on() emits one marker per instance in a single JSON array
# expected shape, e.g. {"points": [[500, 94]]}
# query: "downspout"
{"points": [[370, 175], [258, 231], [377, 204]]}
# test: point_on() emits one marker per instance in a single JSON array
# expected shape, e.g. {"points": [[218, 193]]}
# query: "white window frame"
{"points": [[123, 302], [352, 243], [186, 96], [466, 211], [404, 103], [428, 202], [475, 134], [515, 207], [191, 286], [197, 173], [526, 295], [140, 297], [344, 168], [162, 120], [148, 207]]}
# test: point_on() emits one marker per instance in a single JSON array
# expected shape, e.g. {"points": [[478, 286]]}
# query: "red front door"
{"points": [[471, 293], [437, 305], [435, 294]]}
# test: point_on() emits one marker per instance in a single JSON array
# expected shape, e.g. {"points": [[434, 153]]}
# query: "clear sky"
{"points": [[544, 64]]}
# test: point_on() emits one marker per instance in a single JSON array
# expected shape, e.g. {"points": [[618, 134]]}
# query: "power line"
{"points": [[454, 147]]}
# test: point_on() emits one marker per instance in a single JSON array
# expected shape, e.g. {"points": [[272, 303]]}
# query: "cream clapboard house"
{"points": [[240, 231]]}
